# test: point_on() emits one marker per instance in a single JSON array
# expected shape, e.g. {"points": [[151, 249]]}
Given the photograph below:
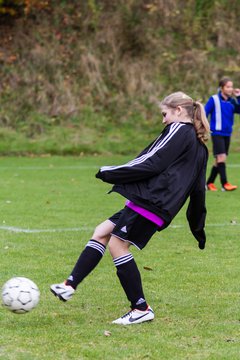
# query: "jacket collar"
{"points": [[222, 98]]}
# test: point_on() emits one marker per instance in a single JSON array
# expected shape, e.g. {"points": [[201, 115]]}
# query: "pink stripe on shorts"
{"points": [[145, 213]]}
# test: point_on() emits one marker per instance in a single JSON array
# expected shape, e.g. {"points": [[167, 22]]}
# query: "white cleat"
{"points": [[62, 291], [135, 316]]}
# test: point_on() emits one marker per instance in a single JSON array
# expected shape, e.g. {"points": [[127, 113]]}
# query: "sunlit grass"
{"points": [[195, 294]]}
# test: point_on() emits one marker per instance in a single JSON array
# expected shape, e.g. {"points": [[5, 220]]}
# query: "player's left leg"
{"points": [[221, 160], [226, 186], [130, 279]]}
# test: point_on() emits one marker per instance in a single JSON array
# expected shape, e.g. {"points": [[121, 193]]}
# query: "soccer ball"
{"points": [[20, 295]]}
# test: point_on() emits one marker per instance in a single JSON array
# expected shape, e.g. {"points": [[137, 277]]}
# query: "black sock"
{"points": [[130, 279], [222, 172], [87, 261], [213, 175]]}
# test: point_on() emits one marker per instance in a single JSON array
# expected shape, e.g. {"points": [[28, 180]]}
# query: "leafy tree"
{"points": [[19, 7]]}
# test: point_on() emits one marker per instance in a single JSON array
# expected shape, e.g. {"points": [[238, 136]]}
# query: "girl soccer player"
{"points": [[221, 107], [156, 184]]}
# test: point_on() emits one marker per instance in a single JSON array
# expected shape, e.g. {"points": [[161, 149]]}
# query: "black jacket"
{"points": [[164, 175]]}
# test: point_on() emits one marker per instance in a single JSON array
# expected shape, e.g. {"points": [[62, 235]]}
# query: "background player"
{"points": [[221, 108]]}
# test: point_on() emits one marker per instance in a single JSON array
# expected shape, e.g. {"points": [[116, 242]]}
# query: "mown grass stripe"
{"points": [[78, 167], [88, 228]]}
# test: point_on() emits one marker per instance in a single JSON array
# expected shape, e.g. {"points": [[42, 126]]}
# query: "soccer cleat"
{"points": [[229, 187], [62, 291], [135, 316], [211, 187]]}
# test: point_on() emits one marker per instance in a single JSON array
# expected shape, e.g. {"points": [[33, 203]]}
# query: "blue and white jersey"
{"points": [[221, 113]]}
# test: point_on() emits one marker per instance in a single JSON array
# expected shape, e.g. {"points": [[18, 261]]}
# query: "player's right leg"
{"points": [[87, 261], [211, 179]]}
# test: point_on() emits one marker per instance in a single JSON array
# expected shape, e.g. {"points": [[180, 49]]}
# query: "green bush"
{"points": [[81, 64]]}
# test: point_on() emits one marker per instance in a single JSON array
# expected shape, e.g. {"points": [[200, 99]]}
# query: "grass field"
{"points": [[49, 207]]}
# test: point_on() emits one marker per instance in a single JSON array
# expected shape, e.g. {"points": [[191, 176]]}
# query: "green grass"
{"points": [[87, 134], [195, 294]]}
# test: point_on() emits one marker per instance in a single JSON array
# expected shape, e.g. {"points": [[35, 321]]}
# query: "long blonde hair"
{"points": [[194, 109]]}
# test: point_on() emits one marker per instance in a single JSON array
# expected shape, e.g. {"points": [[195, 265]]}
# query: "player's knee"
{"points": [[98, 233], [118, 247], [221, 158], [111, 247], [102, 233]]}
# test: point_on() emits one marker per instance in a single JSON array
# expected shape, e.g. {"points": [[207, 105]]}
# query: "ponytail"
{"points": [[194, 109], [200, 122]]}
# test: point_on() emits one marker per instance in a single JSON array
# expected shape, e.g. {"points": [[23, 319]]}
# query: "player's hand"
{"points": [[236, 92], [201, 238]]}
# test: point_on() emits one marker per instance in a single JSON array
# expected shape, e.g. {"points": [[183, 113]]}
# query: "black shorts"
{"points": [[220, 144], [133, 227]]}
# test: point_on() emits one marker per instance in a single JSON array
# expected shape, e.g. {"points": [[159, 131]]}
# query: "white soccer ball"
{"points": [[20, 295]]}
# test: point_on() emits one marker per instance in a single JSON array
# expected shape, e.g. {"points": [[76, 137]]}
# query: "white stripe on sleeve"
{"points": [[160, 144]]}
